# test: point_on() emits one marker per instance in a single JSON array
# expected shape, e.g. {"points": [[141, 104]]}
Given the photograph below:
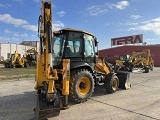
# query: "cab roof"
{"points": [[72, 30]]}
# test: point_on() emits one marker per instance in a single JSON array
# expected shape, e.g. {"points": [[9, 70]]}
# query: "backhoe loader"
{"points": [[139, 59], [16, 61], [31, 56], [68, 67]]}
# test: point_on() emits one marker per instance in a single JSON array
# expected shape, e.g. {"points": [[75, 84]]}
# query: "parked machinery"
{"points": [[138, 59], [31, 56], [68, 67], [16, 60], [1, 60]]}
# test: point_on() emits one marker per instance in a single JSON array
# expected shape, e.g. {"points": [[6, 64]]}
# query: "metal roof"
{"points": [[72, 30]]}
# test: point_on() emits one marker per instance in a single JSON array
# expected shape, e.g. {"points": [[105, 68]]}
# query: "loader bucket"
{"points": [[124, 80], [46, 110]]}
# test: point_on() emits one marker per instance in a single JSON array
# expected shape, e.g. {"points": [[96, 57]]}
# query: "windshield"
{"points": [[74, 45]]}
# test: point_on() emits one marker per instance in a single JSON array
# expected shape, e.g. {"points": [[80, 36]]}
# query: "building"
{"points": [[113, 54], [6, 49], [31, 43]]}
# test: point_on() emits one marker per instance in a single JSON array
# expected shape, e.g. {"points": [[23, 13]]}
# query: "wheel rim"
{"points": [[115, 84], [84, 86]]}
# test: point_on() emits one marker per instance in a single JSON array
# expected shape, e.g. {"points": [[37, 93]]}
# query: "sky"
{"points": [[105, 19]]}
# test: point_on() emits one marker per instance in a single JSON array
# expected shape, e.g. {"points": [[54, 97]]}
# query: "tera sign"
{"points": [[127, 40]]}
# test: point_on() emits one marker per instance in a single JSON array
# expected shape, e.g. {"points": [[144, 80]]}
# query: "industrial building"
{"points": [[6, 49], [126, 45], [112, 54]]}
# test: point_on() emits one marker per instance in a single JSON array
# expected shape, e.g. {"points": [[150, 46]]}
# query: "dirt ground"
{"points": [[141, 102]]}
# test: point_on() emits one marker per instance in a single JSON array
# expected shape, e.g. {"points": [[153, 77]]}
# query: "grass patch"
{"points": [[16, 73]]}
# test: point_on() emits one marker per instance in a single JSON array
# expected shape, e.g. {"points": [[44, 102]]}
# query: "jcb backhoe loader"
{"points": [[138, 59], [31, 56], [16, 61], [68, 67]]}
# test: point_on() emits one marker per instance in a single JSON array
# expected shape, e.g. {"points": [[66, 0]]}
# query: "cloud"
{"points": [[18, 0], [57, 25], [36, 0], [16, 34], [8, 39], [101, 9], [96, 10], [132, 24], [135, 16], [7, 31], [61, 13], [120, 5], [8, 19], [152, 25], [20, 35], [30, 27], [1, 5]]}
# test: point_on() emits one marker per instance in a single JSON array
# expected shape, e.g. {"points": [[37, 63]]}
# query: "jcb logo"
{"points": [[127, 40]]}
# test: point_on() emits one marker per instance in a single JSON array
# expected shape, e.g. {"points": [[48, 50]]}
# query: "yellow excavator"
{"points": [[31, 56], [16, 61], [138, 59], [68, 67]]}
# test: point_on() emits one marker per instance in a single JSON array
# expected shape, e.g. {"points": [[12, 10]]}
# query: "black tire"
{"points": [[26, 65], [6, 65], [111, 83], [13, 66], [146, 70], [81, 85]]}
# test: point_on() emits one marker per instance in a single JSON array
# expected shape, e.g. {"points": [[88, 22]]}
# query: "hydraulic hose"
{"points": [[49, 29]]}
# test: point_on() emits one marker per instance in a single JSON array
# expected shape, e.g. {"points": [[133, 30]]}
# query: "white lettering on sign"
{"points": [[127, 40]]}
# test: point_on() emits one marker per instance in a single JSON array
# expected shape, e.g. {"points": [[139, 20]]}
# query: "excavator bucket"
{"points": [[124, 80], [45, 109]]}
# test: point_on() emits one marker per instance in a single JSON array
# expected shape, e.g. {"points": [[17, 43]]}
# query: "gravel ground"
{"points": [[141, 102]]}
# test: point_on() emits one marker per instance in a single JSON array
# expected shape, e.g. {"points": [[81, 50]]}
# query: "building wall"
{"points": [[7, 48], [113, 54]]}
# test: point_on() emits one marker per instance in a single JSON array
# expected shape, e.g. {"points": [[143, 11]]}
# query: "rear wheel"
{"points": [[81, 85], [111, 83]]}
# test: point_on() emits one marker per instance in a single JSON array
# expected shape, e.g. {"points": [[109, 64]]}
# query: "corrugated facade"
{"points": [[8, 48], [113, 54]]}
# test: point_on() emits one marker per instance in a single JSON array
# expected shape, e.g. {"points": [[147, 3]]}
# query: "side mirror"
{"points": [[96, 42]]}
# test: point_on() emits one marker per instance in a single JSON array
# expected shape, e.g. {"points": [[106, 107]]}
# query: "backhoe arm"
{"points": [[48, 98]]}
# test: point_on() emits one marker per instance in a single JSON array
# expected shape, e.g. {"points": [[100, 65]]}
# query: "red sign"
{"points": [[127, 40]]}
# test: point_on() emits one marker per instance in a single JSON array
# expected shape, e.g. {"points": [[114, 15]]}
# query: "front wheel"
{"points": [[111, 83], [81, 85], [26, 65]]}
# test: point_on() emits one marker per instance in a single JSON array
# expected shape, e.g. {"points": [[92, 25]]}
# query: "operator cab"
{"points": [[76, 45]]}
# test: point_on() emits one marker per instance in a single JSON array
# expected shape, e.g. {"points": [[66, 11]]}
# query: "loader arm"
{"points": [[138, 59], [14, 57]]}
